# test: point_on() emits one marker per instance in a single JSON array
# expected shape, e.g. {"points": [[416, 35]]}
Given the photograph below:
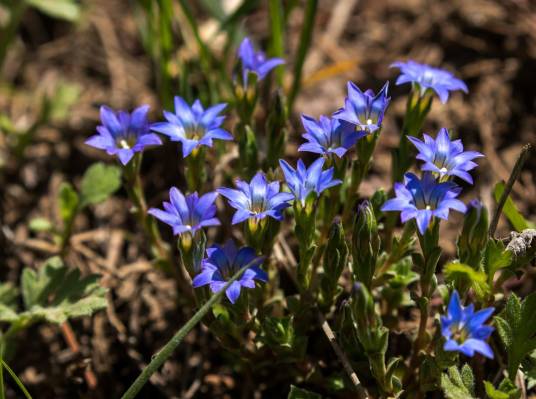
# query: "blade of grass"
{"points": [[305, 42], [245, 8], [2, 393], [159, 358], [277, 26], [204, 52], [16, 379]]}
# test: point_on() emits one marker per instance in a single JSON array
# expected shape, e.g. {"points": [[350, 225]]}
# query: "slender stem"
{"points": [[168, 349], [305, 41], [16, 379], [361, 392], [516, 171]]}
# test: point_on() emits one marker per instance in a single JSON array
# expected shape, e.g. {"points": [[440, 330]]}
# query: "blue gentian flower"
{"points": [[427, 77], [328, 136], [424, 199], [223, 262], [464, 329], [123, 134], [255, 61], [304, 181], [193, 126], [364, 110], [444, 156], [187, 214], [256, 200]]}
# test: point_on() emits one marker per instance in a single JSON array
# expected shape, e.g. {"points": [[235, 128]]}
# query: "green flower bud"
{"points": [[365, 244], [474, 235], [335, 258]]}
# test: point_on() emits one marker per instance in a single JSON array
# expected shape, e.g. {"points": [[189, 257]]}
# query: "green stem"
{"points": [[16, 379], [168, 349], [523, 156], [305, 42]]}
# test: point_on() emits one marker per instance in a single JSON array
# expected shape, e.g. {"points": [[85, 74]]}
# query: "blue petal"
{"points": [[233, 292]]}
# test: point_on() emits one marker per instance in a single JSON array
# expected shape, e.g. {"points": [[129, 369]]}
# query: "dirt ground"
{"points": [[491, 45]]}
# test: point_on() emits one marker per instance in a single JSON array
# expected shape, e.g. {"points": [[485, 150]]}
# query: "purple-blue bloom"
{"points": [[424, 199], [255, 61], [193, 126], [304, 181], [444, 156], [223, 262], [257, 200], [464, 329], [123, 134], [364, 110], [187, 214], [427, 77], [328, 136]]}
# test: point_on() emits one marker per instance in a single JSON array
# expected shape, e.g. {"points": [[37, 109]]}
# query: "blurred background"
{"points": [[61, 59]]}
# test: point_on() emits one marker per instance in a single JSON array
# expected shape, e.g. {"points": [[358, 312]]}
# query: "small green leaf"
{"points": [[55, 293], [454, 386], [510, 210], [300, 393], [464, 276], [63, 9], [495, 258], [68, 202], [40, 224], [506, 390], [99, 182]]}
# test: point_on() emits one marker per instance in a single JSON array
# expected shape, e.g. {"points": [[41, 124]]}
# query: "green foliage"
{"points": [[300, 393], [506, 390], [68, 202], [516, 326], [458, 385], [335, 259], [54, 293], [15, 378], [495, 258], [63, 9], [98, 183], [464, 277], [510, 210], [40, 224]]}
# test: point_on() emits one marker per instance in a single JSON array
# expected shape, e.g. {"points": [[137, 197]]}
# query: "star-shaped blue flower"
{"points": [[304, 181], [464, 329], [123, 134], [187, 214], [364, 110], [427, 77], [255, 61], [424, 199], [445, 157], [223, 262], [193, 126], [328, 136], [257, 200]]}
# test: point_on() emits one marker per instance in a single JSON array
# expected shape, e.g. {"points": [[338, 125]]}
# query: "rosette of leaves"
{"points": [[54, 293]]}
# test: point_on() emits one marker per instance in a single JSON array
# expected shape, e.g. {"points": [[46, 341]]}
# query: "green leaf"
{"points": [[16, 379], [463, 275], [68, 202], [8, 302], [99, 182], [506, 390], [516, 326], [495, 258], [300, 393], [56, 293], [510, 210], [40, 224], [456, 385], [63, 9]]}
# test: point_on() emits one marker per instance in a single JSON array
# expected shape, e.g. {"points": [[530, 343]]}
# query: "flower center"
{"points": [[459, 334], [428, 207], [443, 170], [369, 122]]}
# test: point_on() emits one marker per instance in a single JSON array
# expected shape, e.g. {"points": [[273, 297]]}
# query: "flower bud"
{"points": [[474, 234], [365, 244], [362, 306]]}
